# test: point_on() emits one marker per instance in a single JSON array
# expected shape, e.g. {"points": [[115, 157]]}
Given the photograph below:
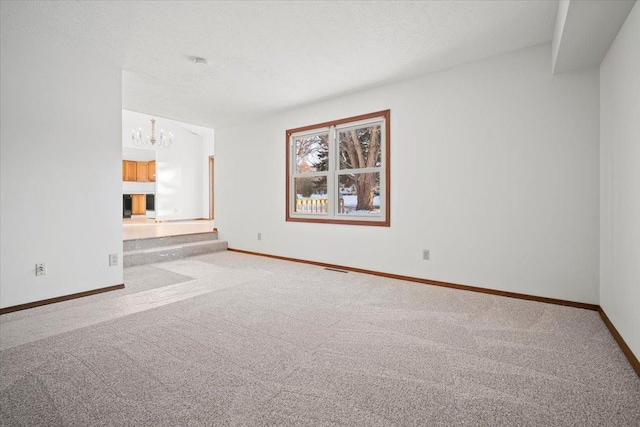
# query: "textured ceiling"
{"points": [[269, 56]]}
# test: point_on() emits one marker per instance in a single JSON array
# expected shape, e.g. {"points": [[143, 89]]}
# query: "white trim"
{"points": [[309, 174], [310, 132], [359, 123], [359, 170]]}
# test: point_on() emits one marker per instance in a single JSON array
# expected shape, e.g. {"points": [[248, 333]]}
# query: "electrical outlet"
{"points": [[259, 236], [41, 269], [425, 254], [113, 259]]}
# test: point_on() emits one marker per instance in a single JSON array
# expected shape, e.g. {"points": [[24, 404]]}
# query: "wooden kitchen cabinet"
{"points": [[139, 171], [152, 171], [129, 170], [142, 171], [138, 204]]}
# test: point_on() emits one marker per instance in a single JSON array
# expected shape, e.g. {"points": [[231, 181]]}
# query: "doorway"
{"points": [[211, 192]]}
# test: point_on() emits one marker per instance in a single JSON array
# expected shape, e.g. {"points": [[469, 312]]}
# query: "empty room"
{"points": [[314, 213]]}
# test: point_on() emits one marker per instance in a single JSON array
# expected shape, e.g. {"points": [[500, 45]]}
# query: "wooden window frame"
{"points": [[357, 220]]}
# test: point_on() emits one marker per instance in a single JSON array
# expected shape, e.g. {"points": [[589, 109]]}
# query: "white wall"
{"points": [[131, 187], [207, 150], [494, 169], [561, 18], [620, 182], [138, 154], [61, 170], [179, 178]]}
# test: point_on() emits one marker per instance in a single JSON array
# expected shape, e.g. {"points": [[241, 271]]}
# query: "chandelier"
{"points": [[163, 141]]}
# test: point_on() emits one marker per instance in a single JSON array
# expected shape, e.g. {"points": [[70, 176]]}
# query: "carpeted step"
{"points": [[157, 242], [170, 252]]}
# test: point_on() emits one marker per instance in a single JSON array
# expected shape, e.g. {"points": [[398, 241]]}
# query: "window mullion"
{"points": [[383, 169], [292, 171], [360, 170], [336, 169], [309, 174], [331, 194]]}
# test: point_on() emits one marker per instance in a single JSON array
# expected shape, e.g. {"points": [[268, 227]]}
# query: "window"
{"points": [[338, 172]]}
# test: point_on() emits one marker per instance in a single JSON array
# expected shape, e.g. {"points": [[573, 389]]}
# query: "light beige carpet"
{"points": [[232, 339]]}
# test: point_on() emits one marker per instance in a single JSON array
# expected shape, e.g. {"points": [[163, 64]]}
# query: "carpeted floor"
{"points": [[233, 339]]}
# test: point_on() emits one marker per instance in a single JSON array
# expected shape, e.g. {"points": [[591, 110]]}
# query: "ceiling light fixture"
{"points": [[164, 141], [200, 61]]}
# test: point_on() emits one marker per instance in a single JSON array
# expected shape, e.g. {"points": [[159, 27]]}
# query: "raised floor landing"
{"points": [[141, 228], [151, 250]]}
